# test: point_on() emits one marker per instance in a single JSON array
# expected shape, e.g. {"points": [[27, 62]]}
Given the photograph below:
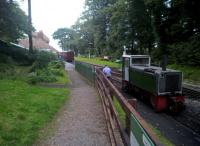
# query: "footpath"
{"points": [[81, 122]]}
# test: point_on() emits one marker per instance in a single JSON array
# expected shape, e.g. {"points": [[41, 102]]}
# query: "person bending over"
{"points": [[107, 71]]}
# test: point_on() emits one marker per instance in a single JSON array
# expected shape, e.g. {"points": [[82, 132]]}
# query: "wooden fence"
{"points": [[134, 131]]}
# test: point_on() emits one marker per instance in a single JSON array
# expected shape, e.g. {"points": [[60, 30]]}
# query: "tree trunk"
{"points": [[30, 27]]}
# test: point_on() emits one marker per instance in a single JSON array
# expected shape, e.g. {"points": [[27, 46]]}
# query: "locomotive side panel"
{"points": [[143, 80]]}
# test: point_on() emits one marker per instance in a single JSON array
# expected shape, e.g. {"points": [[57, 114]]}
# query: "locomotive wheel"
{"points": [[124, 87], [176, 108], [159, 103], [153, 102]]}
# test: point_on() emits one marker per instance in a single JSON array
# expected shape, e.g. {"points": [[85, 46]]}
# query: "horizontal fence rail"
{"points": [[134, 131]]}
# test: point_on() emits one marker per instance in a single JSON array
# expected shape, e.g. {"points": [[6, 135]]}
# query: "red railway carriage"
{"points": [[67, 56]]}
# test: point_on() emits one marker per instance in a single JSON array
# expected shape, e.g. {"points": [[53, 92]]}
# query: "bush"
{"points": [[57, 64], [190, 74], [17, 53], [43, 75], [56, 67], [48, 73], [6, 70], [57, 72], [32, 78], [42, 59]]}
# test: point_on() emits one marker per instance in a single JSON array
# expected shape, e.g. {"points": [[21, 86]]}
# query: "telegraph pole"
{"points": [[30, 27]]}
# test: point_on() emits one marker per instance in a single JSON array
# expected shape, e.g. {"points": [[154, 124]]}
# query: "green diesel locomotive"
{"points": [[163, 88]]}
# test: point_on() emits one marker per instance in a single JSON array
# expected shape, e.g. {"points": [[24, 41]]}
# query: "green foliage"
{"points": [[154, 27], [7, 67], [141, 27], [57, 72], [186, 53], [65, 37], [190, 74], [42, 58], [177, 29], [47, 74], [6, 59], [42, 69], [120, 111], [56, 64], [98, 61], [14, 22], [7, 70], [43, 75], [56, 67], [25, 110], [120, 28], [18, 54], [161, 137]]}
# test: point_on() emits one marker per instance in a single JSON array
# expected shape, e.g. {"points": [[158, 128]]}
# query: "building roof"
{"points": [[40, 42]]}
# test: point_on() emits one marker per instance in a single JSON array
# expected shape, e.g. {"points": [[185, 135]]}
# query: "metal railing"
{"points": [[86, 69]]}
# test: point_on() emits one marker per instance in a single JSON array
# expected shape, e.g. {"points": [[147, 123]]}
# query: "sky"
{"points": [[49, 15]]}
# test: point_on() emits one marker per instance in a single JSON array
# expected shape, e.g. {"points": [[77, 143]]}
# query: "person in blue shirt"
{"points": [[107, 71]]}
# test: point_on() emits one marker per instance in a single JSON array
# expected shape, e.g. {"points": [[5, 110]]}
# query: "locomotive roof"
{"points": [[153, 69]]}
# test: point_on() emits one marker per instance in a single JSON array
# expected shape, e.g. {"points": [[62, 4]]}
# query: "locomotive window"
{"points": [[140, 61]]}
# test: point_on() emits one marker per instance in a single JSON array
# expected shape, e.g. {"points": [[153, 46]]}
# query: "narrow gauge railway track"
{"points": [[190, 117], [191, 92]]}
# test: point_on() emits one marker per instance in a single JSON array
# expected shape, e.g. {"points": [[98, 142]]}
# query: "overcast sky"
{"points": [[49, 15]]}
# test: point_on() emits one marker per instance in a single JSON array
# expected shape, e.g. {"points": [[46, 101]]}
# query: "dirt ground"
{"points": [[81, 121]]}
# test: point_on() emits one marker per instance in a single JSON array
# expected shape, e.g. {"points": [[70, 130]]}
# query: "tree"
{"points": [[64, 37], [140, 22], [155, 27], [175, 24], [119, 31], [13, 21], [29, 28], [95, 17]]}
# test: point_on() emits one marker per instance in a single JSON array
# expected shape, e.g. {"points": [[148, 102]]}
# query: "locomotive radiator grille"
{"points": [[172, 82]]}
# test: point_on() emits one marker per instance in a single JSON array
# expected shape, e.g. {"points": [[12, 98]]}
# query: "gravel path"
{"points": [[81, 121]]}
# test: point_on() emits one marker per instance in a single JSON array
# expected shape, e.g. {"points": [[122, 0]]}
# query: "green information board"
{"points": [[138, 136]]}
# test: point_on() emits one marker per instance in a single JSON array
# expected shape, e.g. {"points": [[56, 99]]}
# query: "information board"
{"points": [[138, 136]]}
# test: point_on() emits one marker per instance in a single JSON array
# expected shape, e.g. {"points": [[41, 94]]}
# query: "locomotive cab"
{"points": [[133, 60]]}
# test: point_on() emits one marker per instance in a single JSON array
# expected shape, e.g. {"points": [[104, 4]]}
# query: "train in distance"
{"points": [[67, 56]]}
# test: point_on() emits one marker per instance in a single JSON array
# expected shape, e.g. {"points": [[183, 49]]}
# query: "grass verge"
{"points": [[120, 111], [190, 74], [165, 141], [25, 109], [98, 61], [62, 79]]}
